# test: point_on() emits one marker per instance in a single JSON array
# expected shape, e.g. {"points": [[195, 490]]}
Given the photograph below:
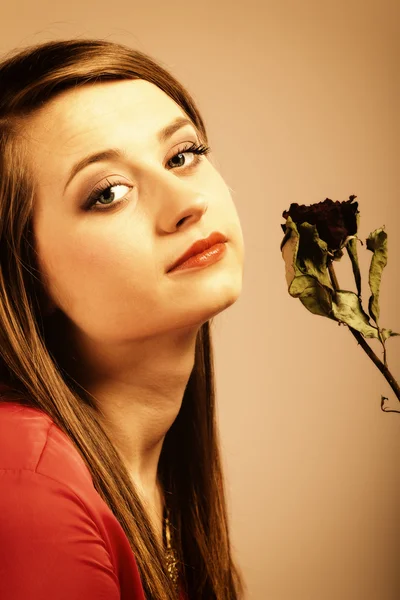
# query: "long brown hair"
{"points": [[32, 364]]}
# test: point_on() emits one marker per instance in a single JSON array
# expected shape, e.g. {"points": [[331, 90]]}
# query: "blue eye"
{"points": [[107, 186]]}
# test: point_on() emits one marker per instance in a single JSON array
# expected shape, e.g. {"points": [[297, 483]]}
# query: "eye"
{"points": [[104, 188], [193, 149]]}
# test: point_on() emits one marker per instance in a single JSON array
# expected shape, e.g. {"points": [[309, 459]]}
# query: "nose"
{"points": [[180, 201], [190, 213]]}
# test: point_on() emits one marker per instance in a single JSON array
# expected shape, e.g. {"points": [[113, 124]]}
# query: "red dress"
{"points": [[58, 538]]}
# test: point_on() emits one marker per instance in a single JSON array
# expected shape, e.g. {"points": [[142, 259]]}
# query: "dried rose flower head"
{"points": [[335, 221]]}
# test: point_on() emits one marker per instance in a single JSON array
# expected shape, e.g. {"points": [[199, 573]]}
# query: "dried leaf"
{"points": [[387, 333], [347, 308], [377, 243], [351, 247]]}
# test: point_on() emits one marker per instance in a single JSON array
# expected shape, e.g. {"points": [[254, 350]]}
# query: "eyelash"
{"points": [[197, 150]]}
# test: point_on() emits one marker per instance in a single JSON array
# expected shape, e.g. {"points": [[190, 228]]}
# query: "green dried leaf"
{"points": [[289, 248], [386, 333], [377, 243], [351, 248], [314, 296], [313, 254], [305, 253], [347, 308]]}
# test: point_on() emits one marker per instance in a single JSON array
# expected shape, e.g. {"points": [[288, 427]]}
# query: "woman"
{"points": [[111, 483]]}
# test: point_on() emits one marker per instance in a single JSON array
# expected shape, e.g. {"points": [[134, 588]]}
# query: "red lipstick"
{"points": [[202, 253]]}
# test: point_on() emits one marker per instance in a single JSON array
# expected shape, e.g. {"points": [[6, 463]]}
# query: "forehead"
{"points": [[79, 118]]}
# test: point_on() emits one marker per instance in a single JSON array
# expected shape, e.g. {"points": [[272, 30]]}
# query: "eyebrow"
{"points": [[113, 153]]}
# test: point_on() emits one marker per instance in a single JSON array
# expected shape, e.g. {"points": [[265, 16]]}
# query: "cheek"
{"points": [[100, 258], [78, 263]]}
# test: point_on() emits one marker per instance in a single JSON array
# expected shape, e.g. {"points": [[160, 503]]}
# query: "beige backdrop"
{"points": [[301, 102]]}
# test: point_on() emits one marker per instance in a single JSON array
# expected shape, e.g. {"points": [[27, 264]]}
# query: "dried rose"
{"points": [[315, 236]]}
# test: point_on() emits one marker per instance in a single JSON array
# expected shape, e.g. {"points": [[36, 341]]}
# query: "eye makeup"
{"points": [[107, 185]]}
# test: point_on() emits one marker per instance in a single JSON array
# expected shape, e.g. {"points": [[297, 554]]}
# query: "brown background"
{"points": [[301, 102]]}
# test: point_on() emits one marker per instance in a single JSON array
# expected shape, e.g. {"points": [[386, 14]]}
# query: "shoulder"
{"points": [[38, 461], [36, 454], [58, 538], [30, 440]]}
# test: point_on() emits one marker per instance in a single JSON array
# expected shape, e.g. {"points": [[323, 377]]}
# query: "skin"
{"points": [[131, 325]]}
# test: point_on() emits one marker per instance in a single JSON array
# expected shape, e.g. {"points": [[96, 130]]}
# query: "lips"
{"points": [[198, 247]]}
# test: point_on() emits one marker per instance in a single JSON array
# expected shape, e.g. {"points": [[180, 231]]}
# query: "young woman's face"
{"points": [[106, 269]]}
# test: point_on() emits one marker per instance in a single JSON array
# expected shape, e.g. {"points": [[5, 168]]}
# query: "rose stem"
{"points": [[359, 337]]}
